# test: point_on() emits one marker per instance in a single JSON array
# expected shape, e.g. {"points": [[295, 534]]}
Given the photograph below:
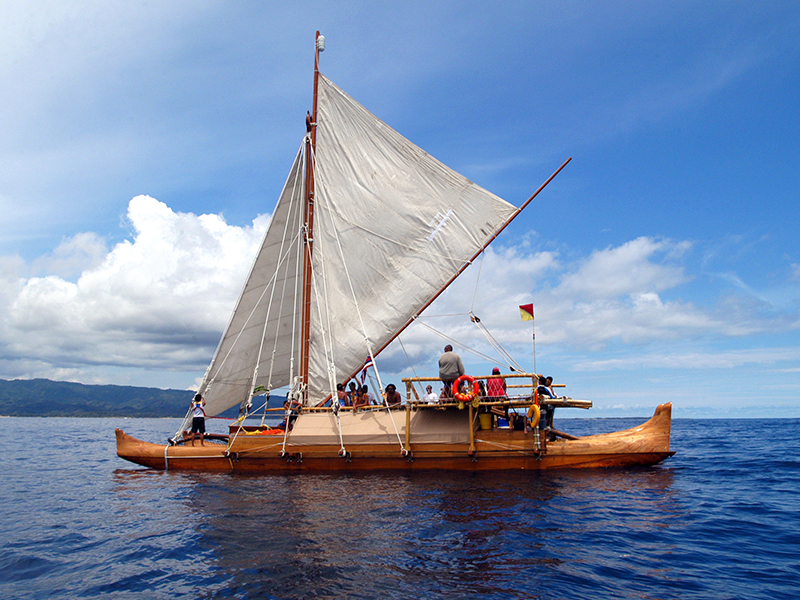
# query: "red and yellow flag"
{"points": [[526, 312]]}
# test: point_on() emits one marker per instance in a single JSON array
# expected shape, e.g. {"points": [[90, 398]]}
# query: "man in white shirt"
{"points": [[430, 397]]}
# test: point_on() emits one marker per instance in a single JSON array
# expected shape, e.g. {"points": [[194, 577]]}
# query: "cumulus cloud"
{"points": [[160, 298]]}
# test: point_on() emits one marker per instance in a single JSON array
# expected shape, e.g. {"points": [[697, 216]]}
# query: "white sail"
{"points": [[405, 222], [264, 328], [392, 226]]}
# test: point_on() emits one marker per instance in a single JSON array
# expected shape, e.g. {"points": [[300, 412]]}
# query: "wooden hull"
{"points": [[495, 449]]}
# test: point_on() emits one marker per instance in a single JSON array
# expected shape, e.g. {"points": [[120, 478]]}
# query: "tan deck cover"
{"points": [[375, 427]]}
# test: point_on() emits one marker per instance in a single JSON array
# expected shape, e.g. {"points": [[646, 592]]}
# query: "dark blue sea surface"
{"points": [[720, 519]]}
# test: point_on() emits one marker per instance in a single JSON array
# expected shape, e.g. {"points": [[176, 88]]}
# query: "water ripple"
{"points": [[719, 520]]}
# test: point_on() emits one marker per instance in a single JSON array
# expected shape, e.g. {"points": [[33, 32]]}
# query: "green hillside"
{"points": [[45, 398]]}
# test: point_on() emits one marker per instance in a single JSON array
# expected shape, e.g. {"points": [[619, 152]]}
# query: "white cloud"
{"points": [[82, 252], [795, 272], [626, 270], [696, 360], [160, 299]]}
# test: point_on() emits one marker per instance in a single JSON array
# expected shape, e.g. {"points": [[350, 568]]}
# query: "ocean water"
{"points": [[720, 519]]}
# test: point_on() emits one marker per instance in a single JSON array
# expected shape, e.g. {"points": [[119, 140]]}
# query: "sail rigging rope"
{"points": [[513, 365], [410, 364], [335, 229], [460, 344], [477, 282], [329, 350], [294, 240], [328, 345]]}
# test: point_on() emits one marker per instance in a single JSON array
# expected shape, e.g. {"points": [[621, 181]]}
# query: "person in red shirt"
{"points": [[496, 386]]}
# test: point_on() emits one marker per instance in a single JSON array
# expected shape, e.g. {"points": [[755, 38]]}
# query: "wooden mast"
{"points": [[311, 145]]}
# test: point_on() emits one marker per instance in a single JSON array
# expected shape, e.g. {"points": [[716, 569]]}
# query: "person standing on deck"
{"points": [[546, 392], [198, 418], [450, 369], [496, 386]]}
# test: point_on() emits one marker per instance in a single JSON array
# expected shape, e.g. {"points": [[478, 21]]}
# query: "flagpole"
{"points": [[533, 329], [526, 312]]}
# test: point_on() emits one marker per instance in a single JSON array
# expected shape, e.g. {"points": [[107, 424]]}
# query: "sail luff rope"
{"points": [[325, 330], [297, 296]]}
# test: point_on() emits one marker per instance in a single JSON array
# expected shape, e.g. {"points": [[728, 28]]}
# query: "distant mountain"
{"points": [[45, 398]]}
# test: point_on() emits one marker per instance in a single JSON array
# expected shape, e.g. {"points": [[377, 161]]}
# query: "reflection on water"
{"points": [[79, 522], [308, 535]]}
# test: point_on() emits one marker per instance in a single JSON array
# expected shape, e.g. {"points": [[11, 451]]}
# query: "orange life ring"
{"points": [[476, 389], [533, 415]]}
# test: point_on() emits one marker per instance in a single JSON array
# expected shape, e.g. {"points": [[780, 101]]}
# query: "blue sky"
{"points": [[143, 148]]}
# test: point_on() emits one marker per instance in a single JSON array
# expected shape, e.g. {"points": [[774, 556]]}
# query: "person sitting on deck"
{"points": [[352, 393], [370, 397], [450, 369], [198, 418], [342, 395], [517, 421], [430, 397], [393, 397], [544, 390], [361, 400]]}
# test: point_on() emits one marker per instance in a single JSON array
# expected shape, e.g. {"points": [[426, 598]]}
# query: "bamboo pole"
{"points": [[408, 428], [471, 432]]}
